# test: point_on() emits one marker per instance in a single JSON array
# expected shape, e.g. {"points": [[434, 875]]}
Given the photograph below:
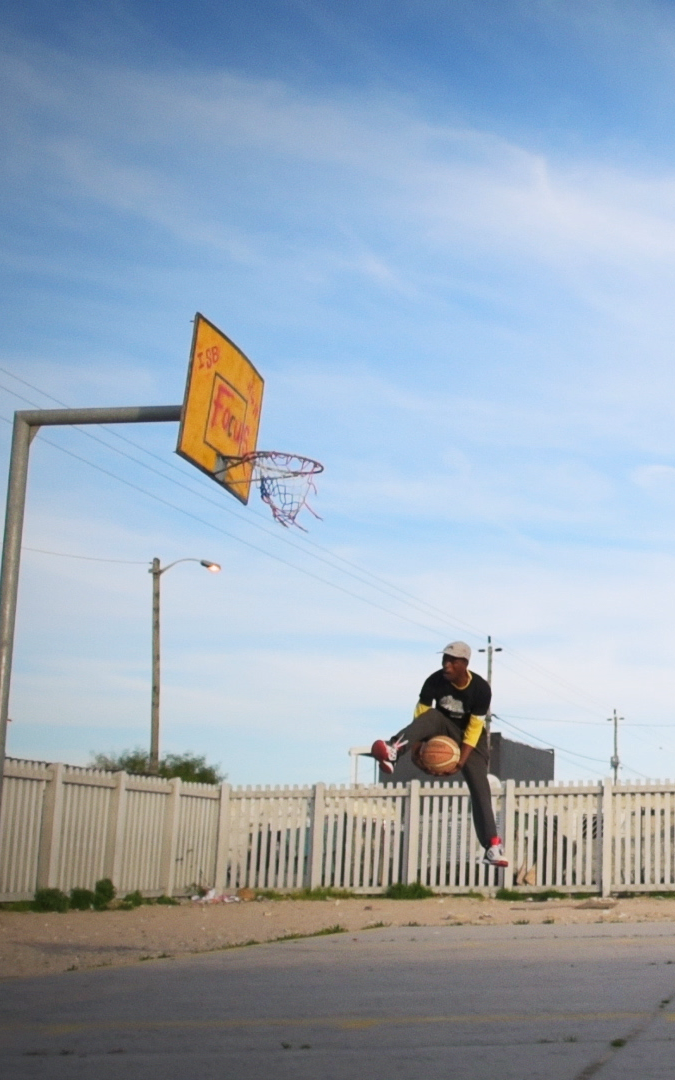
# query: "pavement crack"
{"points": [[619, 1043]]}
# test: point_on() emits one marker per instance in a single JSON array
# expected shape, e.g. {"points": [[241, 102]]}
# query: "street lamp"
{"points": [[156, 570]]}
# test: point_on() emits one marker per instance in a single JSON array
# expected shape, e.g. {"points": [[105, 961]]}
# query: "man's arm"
{"points": [[420, 709], [474, 729], [472, 734], [426, 699]]}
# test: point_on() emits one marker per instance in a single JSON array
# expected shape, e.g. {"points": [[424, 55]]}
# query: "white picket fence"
{"points": [[65, 827]]}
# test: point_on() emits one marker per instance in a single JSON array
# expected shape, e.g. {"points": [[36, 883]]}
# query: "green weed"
{"points": [[337, 929], [414, 891], [515, 894]]}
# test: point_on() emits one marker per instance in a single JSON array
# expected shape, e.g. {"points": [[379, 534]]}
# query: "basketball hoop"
{"points": [[285, 482]]}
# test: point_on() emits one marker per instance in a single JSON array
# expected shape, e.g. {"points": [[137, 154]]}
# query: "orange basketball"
{"points": [[438, 755]]}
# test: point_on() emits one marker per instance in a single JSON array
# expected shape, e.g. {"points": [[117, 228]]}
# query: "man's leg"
{"points": [[475, 772], [429, 723]]}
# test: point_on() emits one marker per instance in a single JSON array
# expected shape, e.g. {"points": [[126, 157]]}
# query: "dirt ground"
{"points": [[38, 944]]}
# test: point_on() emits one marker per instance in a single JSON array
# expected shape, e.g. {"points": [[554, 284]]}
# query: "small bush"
{"points": [[82, 899], [167, 900], [104, 892], [414, 891], [51, 900], [133, 899]]}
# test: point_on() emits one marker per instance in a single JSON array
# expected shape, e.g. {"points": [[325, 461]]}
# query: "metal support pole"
{"points": [[9, 574], [154, 708], [26, 425]]}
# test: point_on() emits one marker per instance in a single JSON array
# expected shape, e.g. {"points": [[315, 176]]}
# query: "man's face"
{"points": [[454, 668]]}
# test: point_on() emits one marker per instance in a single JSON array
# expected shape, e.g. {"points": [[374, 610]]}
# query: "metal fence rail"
{"points": [[65, 827]]}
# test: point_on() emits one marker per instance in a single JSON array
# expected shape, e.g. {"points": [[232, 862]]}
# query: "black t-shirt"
{"points": [[458, 705]]}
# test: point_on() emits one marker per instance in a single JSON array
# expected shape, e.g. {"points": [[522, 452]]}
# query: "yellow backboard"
{"points": [[221, 411]]}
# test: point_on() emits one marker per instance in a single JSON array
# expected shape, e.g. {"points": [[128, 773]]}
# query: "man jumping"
{"points": [[454, 701]]}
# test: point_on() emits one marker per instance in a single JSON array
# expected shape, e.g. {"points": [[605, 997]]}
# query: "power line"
{"points": [[582, 723], [363, 576], [552, 746], [232, 536], [87, 558]]}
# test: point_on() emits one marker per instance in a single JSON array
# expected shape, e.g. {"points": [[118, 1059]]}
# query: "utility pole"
{"points": [[489, 650], [156, 571], [614, 760]]}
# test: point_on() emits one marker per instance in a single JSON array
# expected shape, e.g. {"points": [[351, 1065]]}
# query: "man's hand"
{"points": [[415, 754], [465, 753]]}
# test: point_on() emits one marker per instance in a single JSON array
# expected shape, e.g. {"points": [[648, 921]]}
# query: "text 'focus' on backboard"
{"points": [[221, 411]]}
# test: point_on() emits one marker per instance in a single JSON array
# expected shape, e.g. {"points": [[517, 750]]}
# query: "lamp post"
{"points": [[156, 570]]}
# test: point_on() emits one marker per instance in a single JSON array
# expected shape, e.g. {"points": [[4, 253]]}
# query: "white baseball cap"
{"points": [[459, 650]]}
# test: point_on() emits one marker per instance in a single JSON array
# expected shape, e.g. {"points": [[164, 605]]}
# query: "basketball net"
{"points": [[285, 482]]}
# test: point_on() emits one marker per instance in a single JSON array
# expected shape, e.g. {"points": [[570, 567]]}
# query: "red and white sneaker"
{"points": [[494, 855], [386, 753]]}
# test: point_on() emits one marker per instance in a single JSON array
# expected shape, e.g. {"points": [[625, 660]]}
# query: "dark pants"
{"points": [[475, 771]]}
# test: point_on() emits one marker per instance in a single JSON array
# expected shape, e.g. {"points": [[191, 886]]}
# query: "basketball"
{"points": [[438, 755]]}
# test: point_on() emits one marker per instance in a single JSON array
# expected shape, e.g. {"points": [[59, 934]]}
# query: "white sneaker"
{"points": [[386, 753], [494, 855]]}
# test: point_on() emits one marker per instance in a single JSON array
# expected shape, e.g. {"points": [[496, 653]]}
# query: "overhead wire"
{"points": [[87, 558], [230, 535], [562, 750], [306, 541], [365, 577], [584, 723]]}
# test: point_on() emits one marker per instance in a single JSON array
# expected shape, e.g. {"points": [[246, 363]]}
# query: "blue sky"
{"points": [[445, 235]]}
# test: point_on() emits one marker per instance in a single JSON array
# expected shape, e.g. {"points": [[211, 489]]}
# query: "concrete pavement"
{"points": [[460, 1002]]}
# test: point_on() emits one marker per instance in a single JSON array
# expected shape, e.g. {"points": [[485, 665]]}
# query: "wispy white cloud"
{"points": [[471, 330]]}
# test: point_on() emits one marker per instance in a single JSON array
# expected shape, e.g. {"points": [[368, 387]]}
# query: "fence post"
{"points": [[317, 831], [509, 837], [50, 832], [411, 848], [167, 874], [605, 837], [112, 863], [223, 840]]}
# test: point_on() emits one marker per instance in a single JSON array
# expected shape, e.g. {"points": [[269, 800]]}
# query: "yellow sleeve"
{"points": [[473, 730], [420, 709]]}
